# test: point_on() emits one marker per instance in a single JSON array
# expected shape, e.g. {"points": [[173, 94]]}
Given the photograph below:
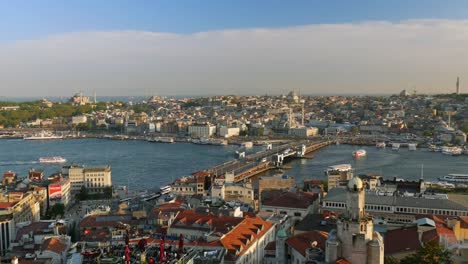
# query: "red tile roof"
{"points": [[288, 199], [54, 244], [342, 261], [244, 235], [303, 241], [6, 205], [401, 240], [188, 219]]}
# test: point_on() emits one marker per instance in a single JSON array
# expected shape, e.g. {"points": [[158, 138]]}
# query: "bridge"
{"points": [[253, 164]]}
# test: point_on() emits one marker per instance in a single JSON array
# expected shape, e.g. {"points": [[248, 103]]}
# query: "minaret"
{"points": [[458, 85], [281, 237], [95, 97]]}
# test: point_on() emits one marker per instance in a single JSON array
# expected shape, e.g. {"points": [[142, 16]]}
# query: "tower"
{"points": [[458, 85], [355, 239], [281, 237]]}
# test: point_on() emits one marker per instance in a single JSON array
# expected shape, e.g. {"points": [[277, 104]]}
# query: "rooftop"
{"points": [[338, 195], [278, 198], [303, 241]]}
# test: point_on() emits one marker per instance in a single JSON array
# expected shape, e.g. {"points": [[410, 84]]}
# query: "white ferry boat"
{"points": [[412, 146], [454, 151], [164, 139], [380, 145], [52, 160], [166, 189], [42, 136], [455, 178], [339, 168], [395, 146], [359, 153]]}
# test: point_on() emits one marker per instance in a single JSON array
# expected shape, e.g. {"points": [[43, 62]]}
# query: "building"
{"points": [[294, 204], [303, 131], [185, 186], [338, 175], [59, 190], [9, 177], [79, 119], [395, 209], [95, 179], [201, 131], [7, 229], [227, 132], [354, 238], [243, 192], [55, 248], [277, 182], [35, 174], [245, 243], [79, 99]]}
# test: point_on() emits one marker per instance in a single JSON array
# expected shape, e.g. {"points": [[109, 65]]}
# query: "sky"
{"points": [[57, 48]]}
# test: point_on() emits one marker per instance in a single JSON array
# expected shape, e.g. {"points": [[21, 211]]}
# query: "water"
{"points": [[139, 164], [144, 165], [386, 162]]}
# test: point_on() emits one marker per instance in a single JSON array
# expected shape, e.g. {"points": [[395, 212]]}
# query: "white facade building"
{"points": [[201, 131], [95, 179]]}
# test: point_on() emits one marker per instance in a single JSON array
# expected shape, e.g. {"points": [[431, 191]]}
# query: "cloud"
{"points": [[358, 58]]}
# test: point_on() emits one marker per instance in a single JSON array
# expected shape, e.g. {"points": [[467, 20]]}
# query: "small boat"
{"points": [[412, 146], [359, 153], [380, 145], [395, 146], [454, 151], [166, 189], [57, 159]]}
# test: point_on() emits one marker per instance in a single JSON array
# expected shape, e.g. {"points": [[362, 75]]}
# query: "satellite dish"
{"points": [[314, 244]]}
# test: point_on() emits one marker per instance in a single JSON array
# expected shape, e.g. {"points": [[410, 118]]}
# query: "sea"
{"points": [[144, 165]]}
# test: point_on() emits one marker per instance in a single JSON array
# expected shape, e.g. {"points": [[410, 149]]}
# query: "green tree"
{"points": [[83, 194], [431, 253], [57, 209], [108, 192], [465, 128], [391, 260]]}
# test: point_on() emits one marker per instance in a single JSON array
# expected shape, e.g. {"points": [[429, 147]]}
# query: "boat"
{"points": [[163, 139], [339, 168], [380, 145], [455, 178], [42, 136], [432, 148], [395, 146], [166, 189], [247, 144], [57, 159], [412, 146], [359, 153], [454, 151]]}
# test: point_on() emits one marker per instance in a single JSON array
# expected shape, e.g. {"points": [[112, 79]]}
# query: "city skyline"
{"points": [[368, 51]]}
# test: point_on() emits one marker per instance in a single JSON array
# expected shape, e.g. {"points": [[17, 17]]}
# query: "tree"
{"points": [[431, 253], [108, 192], [465, 128], [83, 194], [57, 209], [391, 260]]}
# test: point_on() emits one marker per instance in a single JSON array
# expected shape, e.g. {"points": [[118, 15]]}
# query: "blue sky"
{"points": [[131, 47], [27, 19]]}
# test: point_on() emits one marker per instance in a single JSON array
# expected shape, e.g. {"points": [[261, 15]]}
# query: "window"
{"points": [[297, 214]]}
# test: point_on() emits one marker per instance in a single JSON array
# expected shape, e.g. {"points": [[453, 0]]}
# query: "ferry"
{"points": [[57, 159], [380, 145], [166, 189], [339, 168], [42, 136], [412, 146], [454, 151], [359, 153], [395, 146], [455, 178]]}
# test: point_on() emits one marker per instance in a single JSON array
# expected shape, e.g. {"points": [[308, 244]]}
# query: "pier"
{"points": [[248, 166]]}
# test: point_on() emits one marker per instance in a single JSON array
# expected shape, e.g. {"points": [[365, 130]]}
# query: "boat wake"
{"points": [[12, 163]]}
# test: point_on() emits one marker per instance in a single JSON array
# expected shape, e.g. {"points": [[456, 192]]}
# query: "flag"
{"points": [[127, 254]]}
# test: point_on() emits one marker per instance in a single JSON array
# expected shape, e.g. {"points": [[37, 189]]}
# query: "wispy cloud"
{"points": [[367, 57]]}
